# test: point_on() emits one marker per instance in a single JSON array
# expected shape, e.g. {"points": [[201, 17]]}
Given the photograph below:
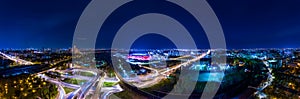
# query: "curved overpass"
{"points": [[80, 91], [84, 89]]}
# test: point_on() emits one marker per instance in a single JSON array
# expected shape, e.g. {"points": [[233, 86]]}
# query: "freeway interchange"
{"points": [[92, 88], [81, 91], [93, 85]]}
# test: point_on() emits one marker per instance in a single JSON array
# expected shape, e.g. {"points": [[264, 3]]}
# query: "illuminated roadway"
{"points": [[265, 84], [80, 90], [112, 90], [159, 75], [185, 63], [15, 59], [178, 58], [61, 90]]}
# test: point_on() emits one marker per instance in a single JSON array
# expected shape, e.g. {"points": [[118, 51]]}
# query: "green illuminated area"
{"points": [[86, 74], [74, 81], [68, 90], [109, 84]]}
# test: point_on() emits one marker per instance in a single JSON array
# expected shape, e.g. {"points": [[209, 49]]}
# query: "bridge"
{"points": [[81, 91], [15, 59]]}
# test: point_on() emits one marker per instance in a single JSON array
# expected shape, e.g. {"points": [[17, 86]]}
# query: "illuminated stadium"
{"points": [[139, 58]]}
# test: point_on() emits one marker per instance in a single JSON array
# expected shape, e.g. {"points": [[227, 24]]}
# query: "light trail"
{"points": [[62, 92], [80, 90], [185, 63], [178, 58], [15, 59], [163, 73], [116, 88]]}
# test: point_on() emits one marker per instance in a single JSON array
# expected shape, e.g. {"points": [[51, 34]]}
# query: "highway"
{"points": [[61, 90], [107, 94], [155, 77], [185, 63], [178, 58], [111, 90], [15, 59], [80, 90]]}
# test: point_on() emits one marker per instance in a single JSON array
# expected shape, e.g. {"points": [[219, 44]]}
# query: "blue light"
{"points": [[143, 70]]}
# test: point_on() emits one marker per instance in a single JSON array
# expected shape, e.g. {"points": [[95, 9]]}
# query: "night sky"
{"points": [[246, 23]]}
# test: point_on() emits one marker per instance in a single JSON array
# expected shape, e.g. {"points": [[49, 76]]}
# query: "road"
{"points": [[15, 59], [157, 76], [61, 90], [185, 63], [179, 58], [107, 94], [112, 90], [80, 90]]}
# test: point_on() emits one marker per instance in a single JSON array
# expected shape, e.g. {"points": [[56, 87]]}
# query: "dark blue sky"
{"points": [[246, 23]]}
